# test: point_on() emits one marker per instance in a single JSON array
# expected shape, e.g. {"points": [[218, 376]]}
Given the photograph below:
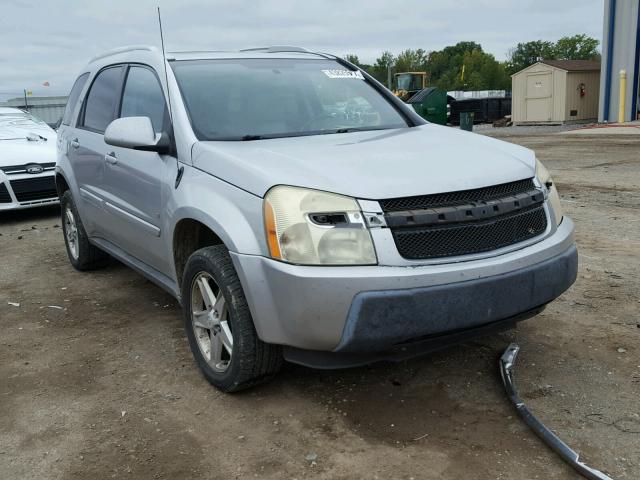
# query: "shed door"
{"points": [[539, 97]]}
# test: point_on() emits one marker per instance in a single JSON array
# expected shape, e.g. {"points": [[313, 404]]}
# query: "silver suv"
{"points": [[298, 210]]}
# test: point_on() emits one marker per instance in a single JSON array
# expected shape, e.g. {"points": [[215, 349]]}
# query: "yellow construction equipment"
{"points": [[409, 83]]}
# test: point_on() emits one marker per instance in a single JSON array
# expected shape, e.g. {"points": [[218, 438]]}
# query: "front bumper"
{"points": [[380, 319], [373, 308]]}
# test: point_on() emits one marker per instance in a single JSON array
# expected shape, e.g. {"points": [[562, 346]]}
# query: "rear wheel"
{"points": [[82, 254], [219, 326]]}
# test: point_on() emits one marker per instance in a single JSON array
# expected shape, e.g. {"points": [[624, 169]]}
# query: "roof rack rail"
{"points": [[277, 49], [129, 48], [173, 52]]}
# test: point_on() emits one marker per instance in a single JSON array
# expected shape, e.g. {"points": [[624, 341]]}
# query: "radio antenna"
{"points": [[164, 64], [166, 79]]}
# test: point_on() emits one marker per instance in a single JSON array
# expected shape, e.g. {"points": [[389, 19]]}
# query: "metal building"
{"points": [[620, 51], [49, 109], [556, 91]]}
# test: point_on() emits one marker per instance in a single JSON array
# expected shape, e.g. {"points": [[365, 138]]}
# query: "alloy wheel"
{"points": [[210, 321], [71, 232]]}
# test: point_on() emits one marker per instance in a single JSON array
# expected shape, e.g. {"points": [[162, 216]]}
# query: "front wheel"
{"points": [[219, 326]]}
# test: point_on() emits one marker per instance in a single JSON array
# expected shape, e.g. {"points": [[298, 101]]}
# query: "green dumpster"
{"points": [[466, 121], [431, 104]]}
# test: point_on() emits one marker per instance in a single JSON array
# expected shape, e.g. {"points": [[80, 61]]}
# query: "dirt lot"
{"points": [[96, 379]]}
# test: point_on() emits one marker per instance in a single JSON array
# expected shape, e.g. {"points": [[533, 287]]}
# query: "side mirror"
{"points": [[136, 133]]}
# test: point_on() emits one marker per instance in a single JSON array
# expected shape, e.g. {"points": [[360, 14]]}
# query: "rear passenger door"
{"points": [[87, 149], [134, 179]]}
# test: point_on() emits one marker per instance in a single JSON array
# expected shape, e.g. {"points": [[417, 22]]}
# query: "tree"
{"points": [[445, 66], [411, 61], [481, 70], [384, 60], [528, 53], [577, 47], [380, 68], [465, 66], [351, 58]]}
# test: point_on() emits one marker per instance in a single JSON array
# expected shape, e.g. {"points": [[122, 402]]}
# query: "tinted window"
{"points": [[143, 97], [248, 99], [73, 98], [101, 101]]}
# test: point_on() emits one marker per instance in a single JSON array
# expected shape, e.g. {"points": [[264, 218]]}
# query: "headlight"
{"points": [[310, 227], [554, 199]]}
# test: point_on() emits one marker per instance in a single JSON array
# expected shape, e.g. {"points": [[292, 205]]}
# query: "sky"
{"points": [[52, 40]]}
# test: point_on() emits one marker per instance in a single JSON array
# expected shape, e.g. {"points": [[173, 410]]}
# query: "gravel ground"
{"points": [[96, 379], [520, 130]]}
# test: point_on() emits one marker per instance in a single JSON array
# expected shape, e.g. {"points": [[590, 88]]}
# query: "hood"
{"points": [[369, 165], [22, 152], [19, 127]]}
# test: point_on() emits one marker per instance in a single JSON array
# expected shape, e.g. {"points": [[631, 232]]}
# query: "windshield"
{"points": [[250, 99]]}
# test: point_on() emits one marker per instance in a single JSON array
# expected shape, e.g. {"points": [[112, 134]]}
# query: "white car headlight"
{"points": [[310, 227], [554, 199]]}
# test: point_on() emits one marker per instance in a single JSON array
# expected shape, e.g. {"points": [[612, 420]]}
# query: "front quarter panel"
{"points": [[230, 212]]}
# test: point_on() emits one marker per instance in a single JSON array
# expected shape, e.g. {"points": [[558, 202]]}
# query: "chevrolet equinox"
{"points": [[298, 210]]}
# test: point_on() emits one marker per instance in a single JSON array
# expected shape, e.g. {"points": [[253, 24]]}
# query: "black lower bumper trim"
{"points": [[378, 320], [404, 351]]}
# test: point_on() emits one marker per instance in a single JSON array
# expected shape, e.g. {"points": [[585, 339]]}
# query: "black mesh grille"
{"points": [[30, 189], [4, 194], [462, 239], [457, 198]]}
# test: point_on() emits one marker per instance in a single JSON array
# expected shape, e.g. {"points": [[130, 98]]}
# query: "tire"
{"points": [[229, 365], [82, 254]]}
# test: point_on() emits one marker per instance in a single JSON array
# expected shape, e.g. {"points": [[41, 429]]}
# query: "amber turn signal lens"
{"points": [[272, 234]]}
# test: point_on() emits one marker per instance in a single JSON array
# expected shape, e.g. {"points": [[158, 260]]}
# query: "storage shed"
{"points": [[556, 91]]}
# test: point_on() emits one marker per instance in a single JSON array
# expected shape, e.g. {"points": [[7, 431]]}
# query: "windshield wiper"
{"points": [[269, 136], [34, 137], [354, 129]]}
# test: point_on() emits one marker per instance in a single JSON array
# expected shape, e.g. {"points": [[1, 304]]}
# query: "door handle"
{"points": [[111, 158], [75, 143]]}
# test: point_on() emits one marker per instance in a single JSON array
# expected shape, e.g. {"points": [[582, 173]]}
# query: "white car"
{"points": [[27, 161]]}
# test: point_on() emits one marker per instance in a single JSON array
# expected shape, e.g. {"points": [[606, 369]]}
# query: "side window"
{"points": [[143, 97], [73, 98], [101, 101]]}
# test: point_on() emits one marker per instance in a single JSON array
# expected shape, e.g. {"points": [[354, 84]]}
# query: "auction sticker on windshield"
{"points": [[343, 74]]}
